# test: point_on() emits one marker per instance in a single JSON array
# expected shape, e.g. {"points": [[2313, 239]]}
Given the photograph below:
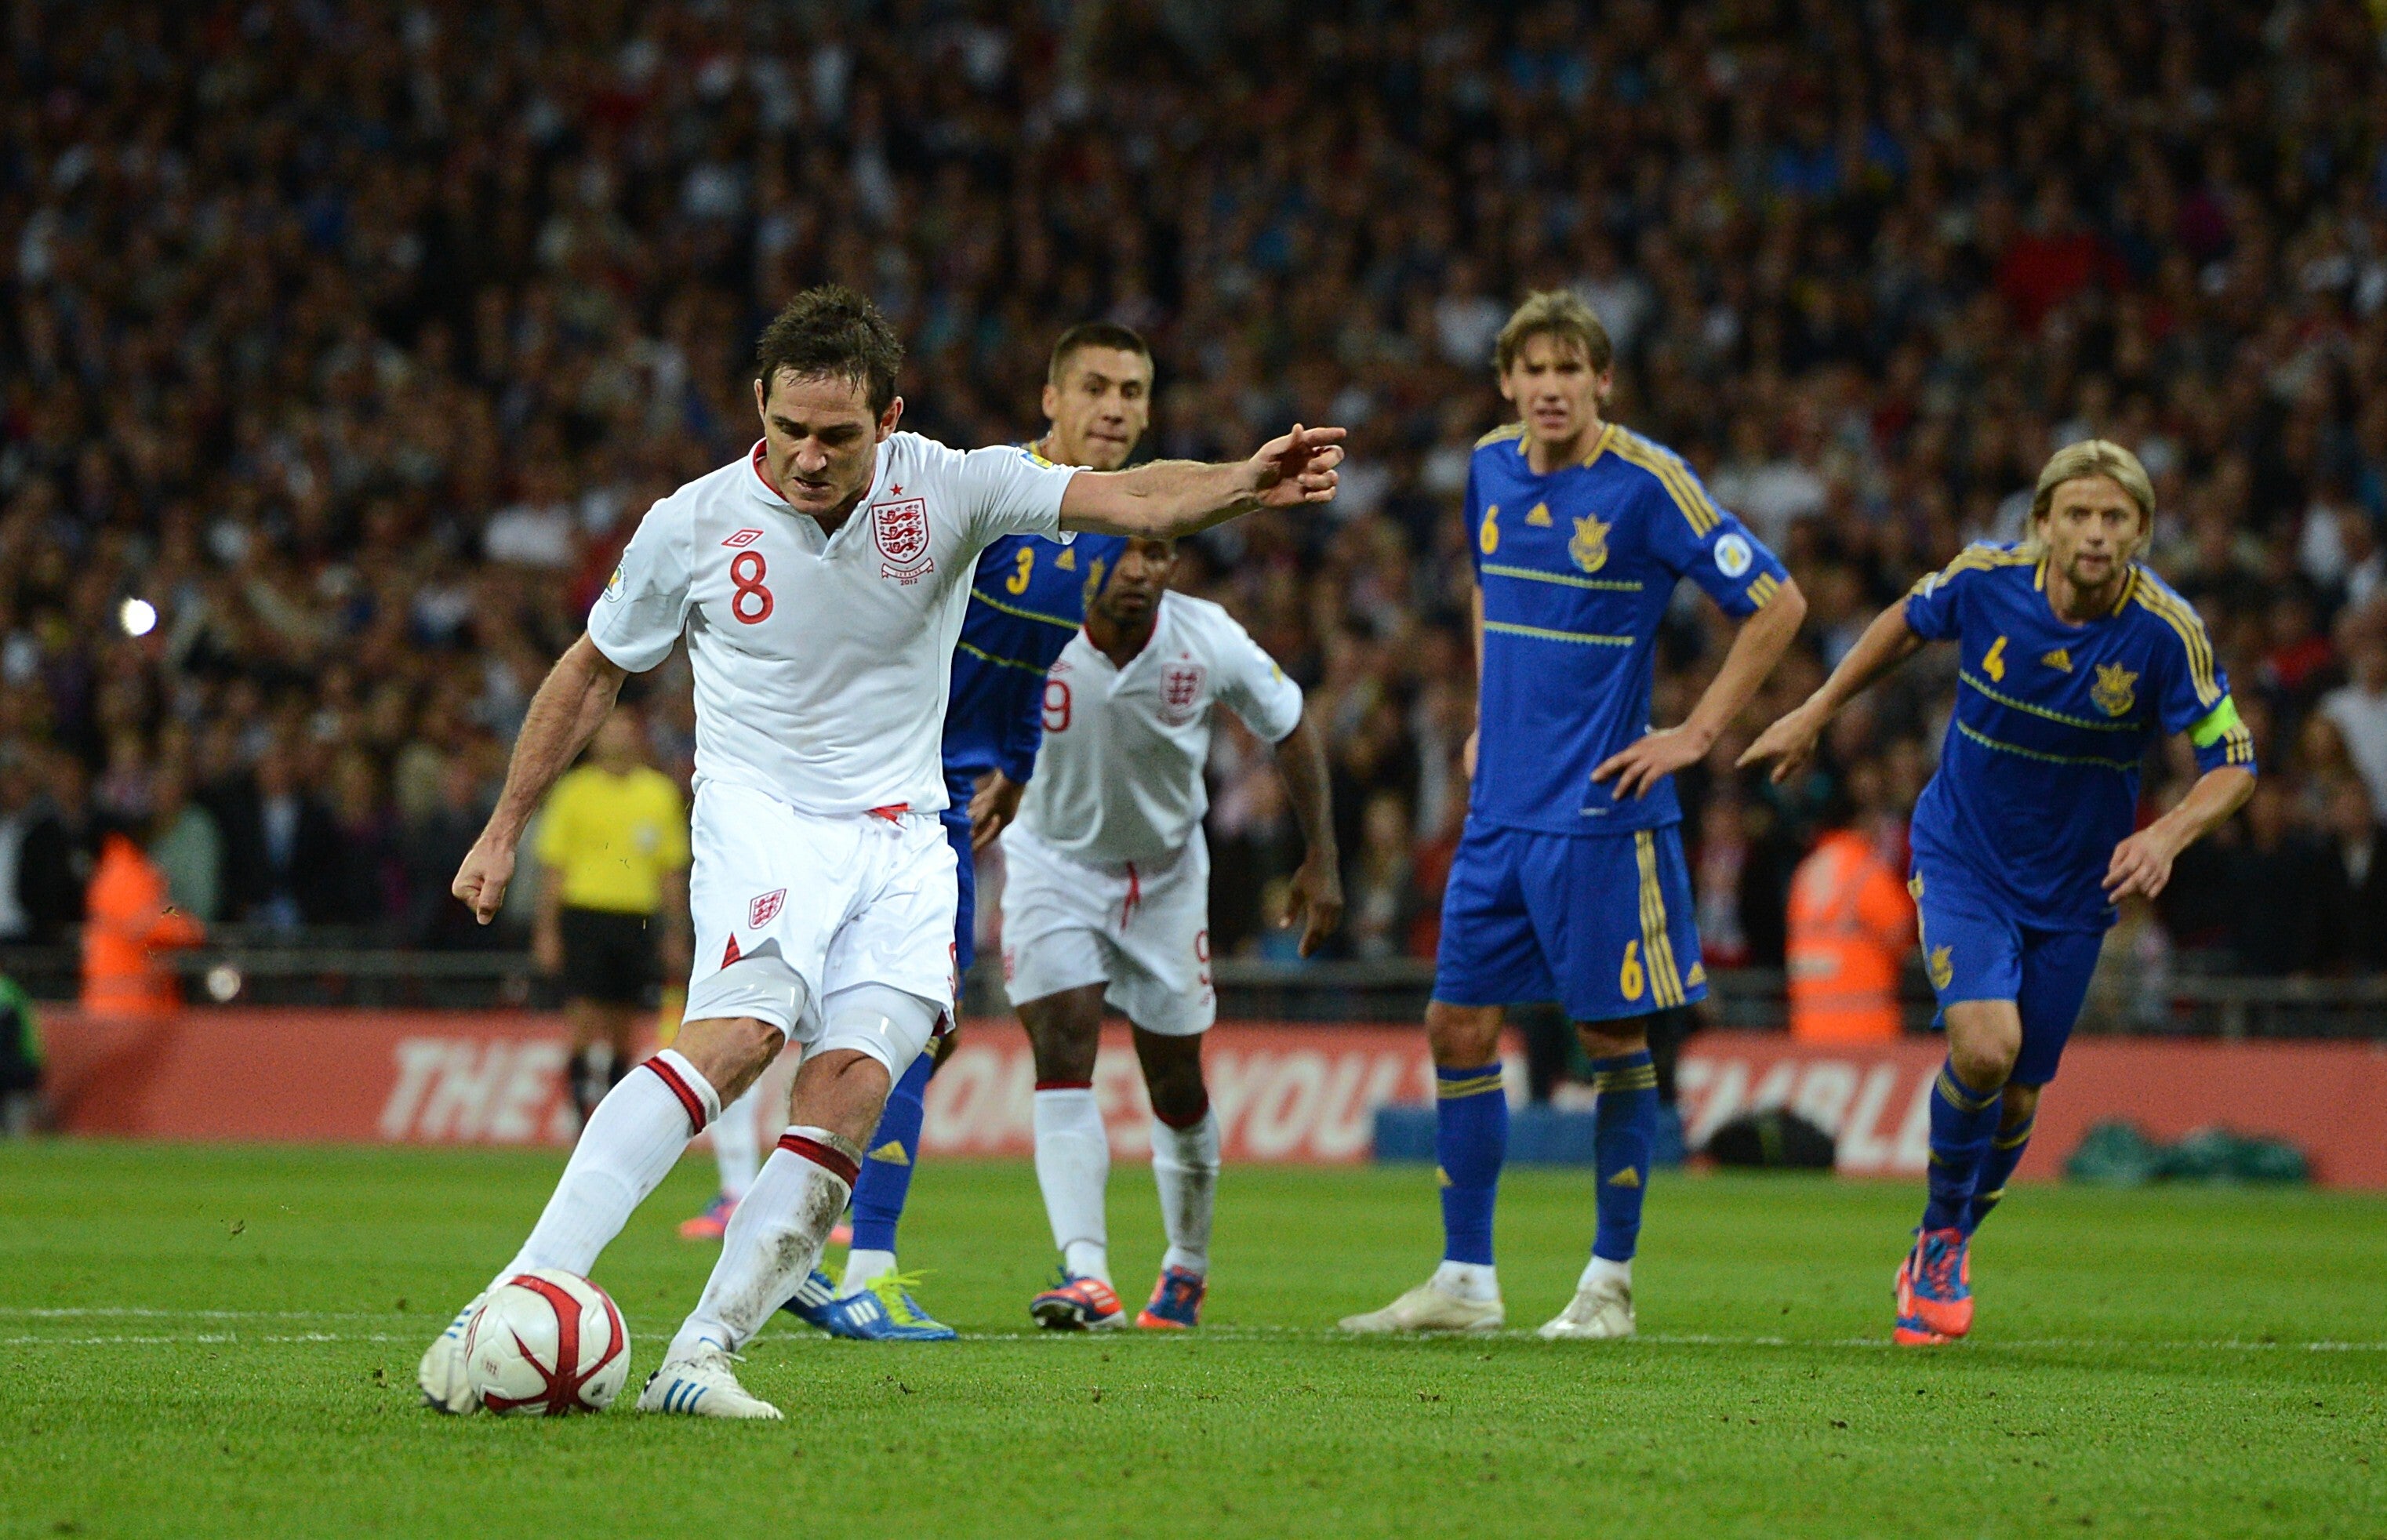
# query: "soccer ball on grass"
{"points": [[548, 1343]]}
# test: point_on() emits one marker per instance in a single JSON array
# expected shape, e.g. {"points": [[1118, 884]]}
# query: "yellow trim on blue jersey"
{"points": [[1985, 741], [1970, 559], [1064, 622], [1587, 639], [1674, 476], [2175, 612], [1452, 1091], [1962, 1099], [1762, 588], [1502, 436], [1598, 444], [1665, 980], [2106, 726], [984, 656], [1534, 575]]}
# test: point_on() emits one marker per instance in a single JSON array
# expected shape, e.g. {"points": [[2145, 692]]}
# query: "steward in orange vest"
{"points": [[127, 924], [1851, 923]]}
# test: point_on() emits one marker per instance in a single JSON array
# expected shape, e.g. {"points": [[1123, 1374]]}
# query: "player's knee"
{"points": [[730, 1052], [1462, 1035], [1607, 1039], [1984, 1060]]}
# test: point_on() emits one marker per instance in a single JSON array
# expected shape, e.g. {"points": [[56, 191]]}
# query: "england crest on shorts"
{"points": [[1181, 692], [901, 530], [764, 910]]}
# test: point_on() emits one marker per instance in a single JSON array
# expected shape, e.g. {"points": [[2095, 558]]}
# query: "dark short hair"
{"points": [[1558, 314], [833, 333], [1095, 334]]}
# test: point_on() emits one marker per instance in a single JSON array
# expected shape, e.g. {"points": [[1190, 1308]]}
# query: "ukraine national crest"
{"points": [[1180, 690], [1943, 968], [901, 531], [1589, 547], [2115, 690]]}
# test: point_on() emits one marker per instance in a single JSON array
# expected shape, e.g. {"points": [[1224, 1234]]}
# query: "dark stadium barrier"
{"points": [[1285, 1091]]}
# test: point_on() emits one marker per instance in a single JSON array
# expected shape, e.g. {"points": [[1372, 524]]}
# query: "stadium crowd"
{"points": [[352, 340]]}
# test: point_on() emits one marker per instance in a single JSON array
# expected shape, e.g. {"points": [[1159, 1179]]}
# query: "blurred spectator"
{"points": [[2359, 709], [21, 1111], [2354, 899], [364, 400], [2277, 879], [1851, 924], [131, 921], [16, 815], [186, 846]]}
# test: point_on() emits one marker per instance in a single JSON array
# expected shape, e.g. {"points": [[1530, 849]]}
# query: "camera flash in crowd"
{"points": [[138, 616]]}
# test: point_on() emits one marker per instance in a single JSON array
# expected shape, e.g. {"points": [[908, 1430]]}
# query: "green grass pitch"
{"points": [[204, 1341]]}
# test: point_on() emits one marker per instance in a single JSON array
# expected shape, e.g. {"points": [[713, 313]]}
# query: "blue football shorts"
{"points": [[1601, 923], [1975, 947]]}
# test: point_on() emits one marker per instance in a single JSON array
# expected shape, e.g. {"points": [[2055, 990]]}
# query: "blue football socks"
{"points": [[1624, 1125], [1963, 1120], [2006, 1154], [1471, 1139], [887, 1166]]}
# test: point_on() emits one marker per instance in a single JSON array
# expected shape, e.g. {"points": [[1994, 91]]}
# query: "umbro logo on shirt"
{"points": [[743, 537]]}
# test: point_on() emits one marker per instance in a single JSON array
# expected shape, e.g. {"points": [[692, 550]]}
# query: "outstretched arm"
{"points": [[565, 714], [1756, 648], [1168, 499], [1316, 896], [2142, 863], [1791, 742]]}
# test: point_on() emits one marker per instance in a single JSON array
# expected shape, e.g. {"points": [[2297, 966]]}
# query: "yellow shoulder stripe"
{"points": [[2175, 612], [1673, 476], [1502, 436]]}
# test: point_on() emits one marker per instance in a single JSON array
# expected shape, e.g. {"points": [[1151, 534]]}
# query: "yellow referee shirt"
{"points": [[613, 837]]}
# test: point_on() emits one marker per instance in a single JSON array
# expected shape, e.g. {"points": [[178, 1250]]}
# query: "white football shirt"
{"points": [[1119, 776], [822, 661]]}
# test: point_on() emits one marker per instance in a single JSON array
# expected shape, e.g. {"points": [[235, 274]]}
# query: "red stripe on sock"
{"points": [[820, 1154], [1065, 1085], [680, 1087]]}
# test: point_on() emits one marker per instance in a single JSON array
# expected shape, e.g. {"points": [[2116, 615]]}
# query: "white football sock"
{"points": [[862, 1269], [1073, 1166], [632, 1140], [737, 1148], [1474, 1281], [1600, 1267], [1185, 1168], [774, 1239]]}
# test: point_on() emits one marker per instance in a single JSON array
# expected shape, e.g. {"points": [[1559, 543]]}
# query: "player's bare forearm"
{"points": [[1166, 500], [572, 703], [1756, 648], [992, 808], [1790, 742], [565, 714], [2141, 864], [1317, 897]]}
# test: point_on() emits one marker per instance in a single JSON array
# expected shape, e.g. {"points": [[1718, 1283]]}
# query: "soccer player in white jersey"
{"points": [[819, 581], [1107, 898]]}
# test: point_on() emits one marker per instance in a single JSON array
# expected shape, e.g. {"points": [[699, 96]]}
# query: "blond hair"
{"points": [[2097, 457], [1556, 313]]}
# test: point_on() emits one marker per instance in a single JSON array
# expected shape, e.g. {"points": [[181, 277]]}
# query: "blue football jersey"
{"points": [[2039, 779], [1028, 599], [1576, 570]]}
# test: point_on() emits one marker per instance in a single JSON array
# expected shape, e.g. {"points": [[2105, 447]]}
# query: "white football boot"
{"points": [[1431, 1308], [441, 1373], [702, 1385], [1599, 1311]]}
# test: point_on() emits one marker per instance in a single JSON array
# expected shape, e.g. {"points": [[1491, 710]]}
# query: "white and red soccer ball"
{"points": [[548, 1343]]}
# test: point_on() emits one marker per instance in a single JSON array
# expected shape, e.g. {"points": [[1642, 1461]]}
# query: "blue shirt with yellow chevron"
{"points": [[2039, 779], [1028, 599], [1576, 570]]}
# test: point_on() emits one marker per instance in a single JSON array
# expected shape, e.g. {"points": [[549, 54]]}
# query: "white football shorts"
{"points": [[790, 908], [1145, 930]]}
